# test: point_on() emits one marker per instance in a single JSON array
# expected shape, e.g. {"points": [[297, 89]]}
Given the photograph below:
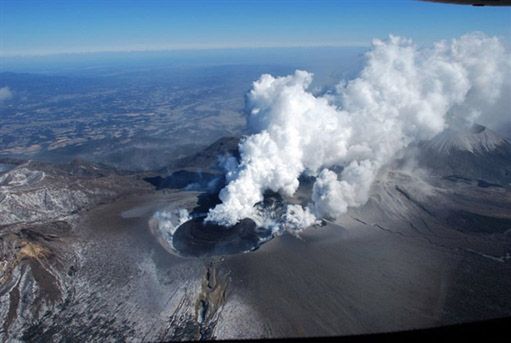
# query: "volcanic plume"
{"points": [[404, 94]]}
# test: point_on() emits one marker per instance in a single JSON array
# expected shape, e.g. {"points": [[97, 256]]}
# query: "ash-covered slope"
{"points": [[461, 184], [40, 205], [476, 153], [425, 250], [35, 191]]}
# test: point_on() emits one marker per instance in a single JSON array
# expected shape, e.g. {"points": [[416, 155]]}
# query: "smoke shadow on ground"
{"points": [[184, 179]]}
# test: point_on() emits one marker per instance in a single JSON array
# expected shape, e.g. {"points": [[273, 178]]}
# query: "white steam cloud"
{"points": [[404, 94], [164, 224]]}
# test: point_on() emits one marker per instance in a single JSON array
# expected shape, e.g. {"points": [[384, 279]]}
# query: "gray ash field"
{"points": [[422, 252], [107, 175]]}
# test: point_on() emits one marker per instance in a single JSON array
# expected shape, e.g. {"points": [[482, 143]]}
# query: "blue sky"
{"points": [[47, 27]]}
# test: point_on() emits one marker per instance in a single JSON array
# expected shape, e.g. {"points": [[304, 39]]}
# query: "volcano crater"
{"points": [[198, 238]]}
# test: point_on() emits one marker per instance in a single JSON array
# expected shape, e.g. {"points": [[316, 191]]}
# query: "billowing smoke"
{"points": [[403, 94]]}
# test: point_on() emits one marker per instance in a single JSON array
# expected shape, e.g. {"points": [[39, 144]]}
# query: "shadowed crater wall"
{"points": [[198, 238]]}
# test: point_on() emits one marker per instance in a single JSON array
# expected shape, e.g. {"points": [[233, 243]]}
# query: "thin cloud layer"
{"points": [[5, 94]]}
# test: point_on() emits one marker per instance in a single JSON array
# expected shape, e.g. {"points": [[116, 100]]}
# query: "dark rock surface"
{"points": [[197, 238]]}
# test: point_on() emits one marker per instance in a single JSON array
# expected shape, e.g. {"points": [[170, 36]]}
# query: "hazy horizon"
{"points": [[42, 28]]}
